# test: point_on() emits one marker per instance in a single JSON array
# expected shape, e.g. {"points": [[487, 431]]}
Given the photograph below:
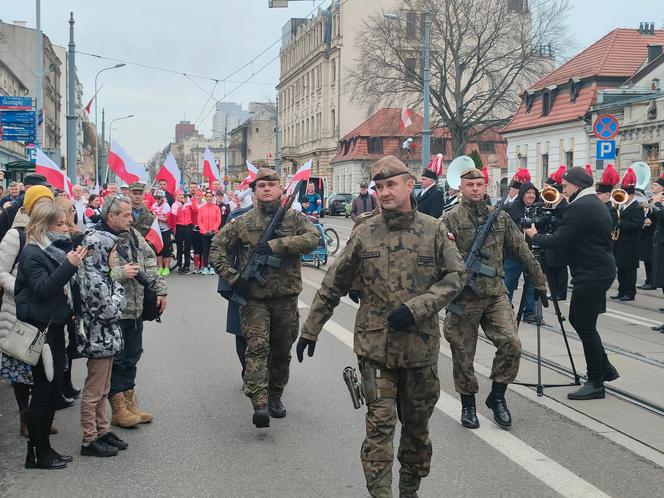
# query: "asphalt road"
{"points": [[202, 442]]}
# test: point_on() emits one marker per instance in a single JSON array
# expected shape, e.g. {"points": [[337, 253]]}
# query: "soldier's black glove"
{"points": [[241, 287], [541, 295], [264, 249], [400, 318], [355, 295], [303, 344]]}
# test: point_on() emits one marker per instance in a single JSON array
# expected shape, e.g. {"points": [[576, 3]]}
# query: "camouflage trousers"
{"points": [[496, 316], [411, 395], [270, 327]]}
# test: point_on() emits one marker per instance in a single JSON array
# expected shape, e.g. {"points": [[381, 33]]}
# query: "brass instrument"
{"points": [[550, 196], [618, 197]]}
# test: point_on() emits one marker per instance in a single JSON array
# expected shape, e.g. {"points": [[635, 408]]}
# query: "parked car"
{"points": [[337, 204], [349, 206]]}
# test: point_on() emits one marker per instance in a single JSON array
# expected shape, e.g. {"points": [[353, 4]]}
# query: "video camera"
{"points": [[540, 216]]}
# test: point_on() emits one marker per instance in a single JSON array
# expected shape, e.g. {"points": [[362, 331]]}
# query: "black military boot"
{"points": [[261, 417], [408, 493], [589, 390], [610, 372], [469, 412], [275, 406], [496, 401]]}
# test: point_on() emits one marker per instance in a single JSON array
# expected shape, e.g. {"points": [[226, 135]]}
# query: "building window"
{"points": [[487, 147], [411, 25], [333, 120], [437, 145], [375, 145], [575, 86], [545, 165], [569, 159], [333, 72], [546, 103], [520, 6], [410, 69]]}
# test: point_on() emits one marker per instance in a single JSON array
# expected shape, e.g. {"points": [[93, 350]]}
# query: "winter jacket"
{"points": [[183, 212], [102, 299], [143, 219], [40, 288], [132, 245], [9, 251], [91, 216], [209, 218], [365, 203]]}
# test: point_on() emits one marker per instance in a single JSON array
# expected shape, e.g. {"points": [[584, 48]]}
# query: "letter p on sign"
{"points": [[606, 149]]}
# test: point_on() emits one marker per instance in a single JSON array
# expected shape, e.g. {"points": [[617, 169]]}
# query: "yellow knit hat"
{"points": [[33, 193]]}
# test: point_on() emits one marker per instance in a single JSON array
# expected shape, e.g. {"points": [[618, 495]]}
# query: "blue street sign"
{"points": [[606, 149], [15, 103], [31, 153], [13, 117]]}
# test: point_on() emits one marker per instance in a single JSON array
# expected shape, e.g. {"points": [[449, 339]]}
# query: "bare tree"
{"points": [[483, 54]]}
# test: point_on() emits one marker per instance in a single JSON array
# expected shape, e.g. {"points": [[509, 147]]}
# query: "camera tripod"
{"points": [[539, 256]]}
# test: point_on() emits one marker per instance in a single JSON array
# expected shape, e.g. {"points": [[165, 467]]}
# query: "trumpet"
{"points": [[618, 197], [550, 196]]}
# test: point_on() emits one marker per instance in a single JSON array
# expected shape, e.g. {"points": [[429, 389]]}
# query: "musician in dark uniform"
{"points": [[431, 199], [610, 178], [628, 229], [656, 215]]}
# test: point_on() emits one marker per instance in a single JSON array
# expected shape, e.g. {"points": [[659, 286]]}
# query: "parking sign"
{"points": [[606, 149]]}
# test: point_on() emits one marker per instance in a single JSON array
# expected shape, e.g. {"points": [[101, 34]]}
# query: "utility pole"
{"points": [[225, 149], [39, 74], [426, 131], [72, 118], [277, 155], [102, 174]]}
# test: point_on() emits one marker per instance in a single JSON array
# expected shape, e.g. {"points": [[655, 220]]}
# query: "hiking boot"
{"points": [[113, 440], [261, 417], [132, 404], [469, 412], [496, 402], [120, 413], [275, 406], [98, 448], [589, 390]]}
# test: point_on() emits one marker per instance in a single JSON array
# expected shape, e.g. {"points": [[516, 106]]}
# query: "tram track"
{"points": [[551, 365]]}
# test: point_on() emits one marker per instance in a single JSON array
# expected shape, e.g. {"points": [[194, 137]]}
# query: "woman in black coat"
{"points": [[44, 299]]}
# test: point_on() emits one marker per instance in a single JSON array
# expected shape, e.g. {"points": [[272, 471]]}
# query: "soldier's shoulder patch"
{"points": [[234, 220], [450, 236]]}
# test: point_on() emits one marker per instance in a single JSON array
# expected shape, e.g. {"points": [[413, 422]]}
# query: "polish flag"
{"points": [[302, 174], [252, 170], [154, 236], [56, 177], [123, 165], [170, 171], [405, 118], [372, 188], [436, 164], [210, 169]]}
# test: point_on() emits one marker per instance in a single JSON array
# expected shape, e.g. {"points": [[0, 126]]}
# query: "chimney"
{"points": [[21, 24], [654, 51]]}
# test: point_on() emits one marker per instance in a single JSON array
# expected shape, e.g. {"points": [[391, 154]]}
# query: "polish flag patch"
{"points": [[450, 236]]}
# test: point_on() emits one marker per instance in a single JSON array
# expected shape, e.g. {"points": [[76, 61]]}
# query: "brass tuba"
{"points": [[550, 196], [618, 197]]}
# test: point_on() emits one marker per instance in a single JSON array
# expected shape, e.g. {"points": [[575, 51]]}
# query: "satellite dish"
{"points": [[455, 169]]}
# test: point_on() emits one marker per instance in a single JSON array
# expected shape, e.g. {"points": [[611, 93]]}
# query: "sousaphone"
{"points": [[455, 169]]}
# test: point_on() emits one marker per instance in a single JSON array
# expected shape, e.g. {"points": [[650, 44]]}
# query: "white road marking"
{"points": [[301, 304], [628, 317], [550, 472]]}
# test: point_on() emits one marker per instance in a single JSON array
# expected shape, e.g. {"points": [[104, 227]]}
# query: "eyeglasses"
{"points": [[115, 197]]}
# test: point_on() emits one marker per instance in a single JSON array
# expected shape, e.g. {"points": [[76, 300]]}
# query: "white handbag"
{"points": [[24, 342]]}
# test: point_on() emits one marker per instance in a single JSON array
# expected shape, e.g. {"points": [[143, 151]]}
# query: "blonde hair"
{"points": [[41, 218], [70, 211]]}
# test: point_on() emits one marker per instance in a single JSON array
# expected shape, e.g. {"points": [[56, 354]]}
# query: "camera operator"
{"points": [[522, 207], [135, 267], [585, 232]]}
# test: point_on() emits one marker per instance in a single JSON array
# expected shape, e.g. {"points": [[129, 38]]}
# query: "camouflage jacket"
{"points": [[463, 221], [143, 223], [133, 245], [401, 258], [242, 234]]}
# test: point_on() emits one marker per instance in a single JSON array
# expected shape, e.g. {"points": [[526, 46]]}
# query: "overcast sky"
{"points": [[211, 38]]}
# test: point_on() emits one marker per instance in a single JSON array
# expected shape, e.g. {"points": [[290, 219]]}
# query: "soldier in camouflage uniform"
{"points": [[409, 270], [270, 320], [491, 308], [141, 214]]}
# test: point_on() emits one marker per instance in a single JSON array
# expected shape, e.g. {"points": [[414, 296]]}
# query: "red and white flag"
{"points": [[124, 166], [405, 118], [302, 174], [170, 171], [154, 236], [436, 164], [372, 188], [210, 168], [55, 176], [251, 171]]}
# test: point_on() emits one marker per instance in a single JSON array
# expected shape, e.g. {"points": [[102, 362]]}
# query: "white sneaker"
{"points": [[204, 271], [211, 271]]}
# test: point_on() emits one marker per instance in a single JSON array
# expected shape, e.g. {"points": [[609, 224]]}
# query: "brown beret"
{"points": [[265, 174], [472, 174], [387, 167]]}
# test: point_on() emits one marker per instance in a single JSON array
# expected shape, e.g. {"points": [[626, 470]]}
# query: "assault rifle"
{"points": [[474, 265], [257, 262]]}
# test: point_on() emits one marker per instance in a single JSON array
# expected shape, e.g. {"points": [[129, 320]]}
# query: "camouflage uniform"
{"points": [[144, 221], [270, 319], [401, 258], [492, 308]]}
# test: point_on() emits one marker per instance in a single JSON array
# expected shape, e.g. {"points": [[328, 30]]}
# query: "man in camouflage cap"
{"points": [[490, 308], [270, 320], [141, 214], [408, 271]]}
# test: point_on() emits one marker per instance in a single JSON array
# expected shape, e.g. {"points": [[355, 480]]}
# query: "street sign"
{"points": [[31, 153], [606, 149], [606, 127], [14, 117], [9, 103]]}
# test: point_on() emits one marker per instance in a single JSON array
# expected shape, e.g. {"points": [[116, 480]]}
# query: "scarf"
{"points": [[59, 244]]}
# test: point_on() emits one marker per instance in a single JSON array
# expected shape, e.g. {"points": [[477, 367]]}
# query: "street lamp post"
{"points": [[110, 134], [426, 130], [96, 120]]}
